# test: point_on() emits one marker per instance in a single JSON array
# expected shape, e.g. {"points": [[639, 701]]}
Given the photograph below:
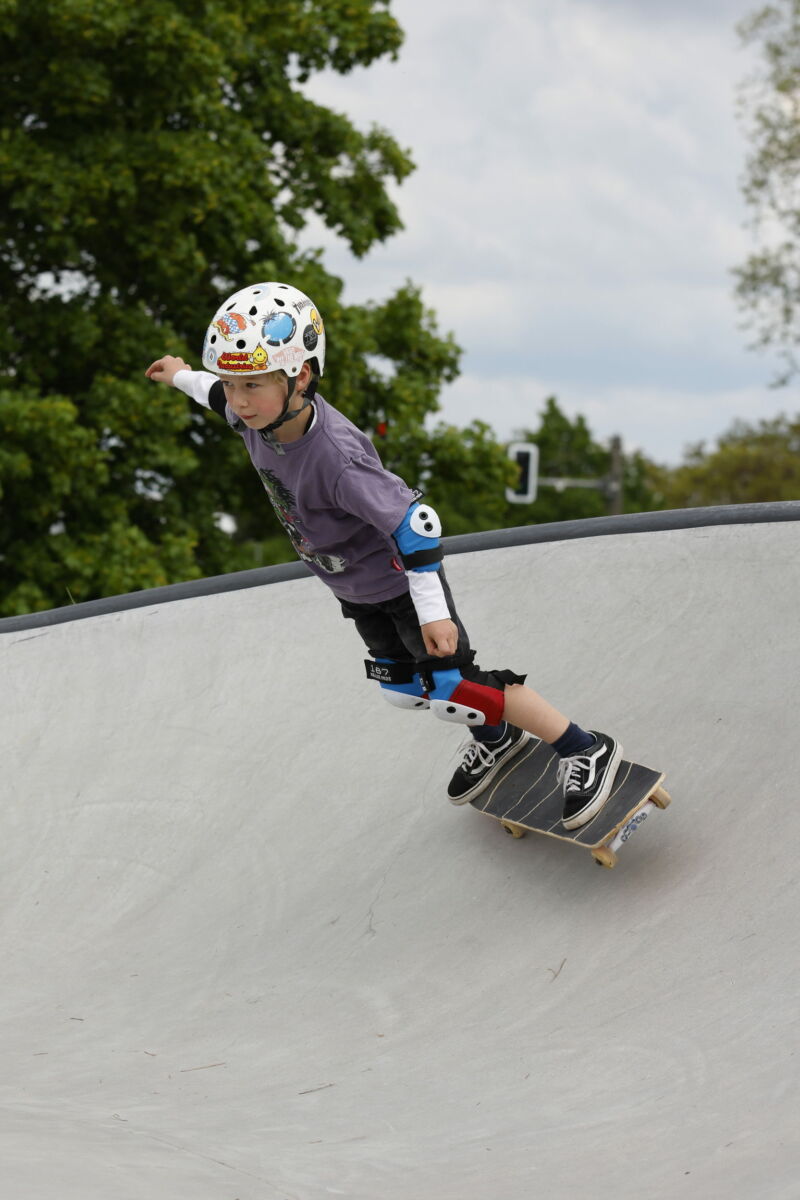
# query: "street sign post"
{"points": [[526, 456]]}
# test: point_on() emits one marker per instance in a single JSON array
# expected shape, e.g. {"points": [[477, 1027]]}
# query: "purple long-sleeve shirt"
{"points": [[333, 496]]}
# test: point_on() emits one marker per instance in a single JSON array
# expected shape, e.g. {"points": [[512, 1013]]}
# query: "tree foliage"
{"points": [[153, 157], [768, 283], [750, 464]]}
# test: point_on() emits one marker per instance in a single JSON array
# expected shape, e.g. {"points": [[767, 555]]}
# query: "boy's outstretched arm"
{"points": [[200, 386], [164, 370]]}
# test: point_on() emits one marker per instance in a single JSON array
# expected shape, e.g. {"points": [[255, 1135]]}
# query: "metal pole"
{"points": [[616, 500]]}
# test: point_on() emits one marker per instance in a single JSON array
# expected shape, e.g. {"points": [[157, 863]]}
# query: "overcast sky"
{"points": [[575, 213]]}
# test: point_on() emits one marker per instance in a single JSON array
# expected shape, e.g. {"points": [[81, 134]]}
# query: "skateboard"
{"points": [[525, 796]]}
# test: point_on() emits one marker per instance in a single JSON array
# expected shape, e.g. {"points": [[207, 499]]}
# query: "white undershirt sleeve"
{"points": [[196, 384], [428, 596]]}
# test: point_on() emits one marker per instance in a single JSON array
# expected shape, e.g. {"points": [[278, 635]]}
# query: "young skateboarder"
{"points": [[371, 539]]}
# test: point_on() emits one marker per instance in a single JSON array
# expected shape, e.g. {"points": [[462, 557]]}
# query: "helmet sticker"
{"points": [[229, 324], [316, 321], [279, 328], [290, 356], [310, 338], [233, 361]]}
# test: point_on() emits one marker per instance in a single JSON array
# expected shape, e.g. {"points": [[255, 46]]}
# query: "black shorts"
{"points": [[390, 628]]}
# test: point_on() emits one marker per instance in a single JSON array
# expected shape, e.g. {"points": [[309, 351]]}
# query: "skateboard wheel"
{"points": [[517, 831], [661, 798], [604, 857]]}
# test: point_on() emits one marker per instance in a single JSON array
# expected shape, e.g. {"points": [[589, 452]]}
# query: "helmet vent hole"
{"points": [[213, 338], [231, 307], [253, 311], [281, 302], [240, 345]]}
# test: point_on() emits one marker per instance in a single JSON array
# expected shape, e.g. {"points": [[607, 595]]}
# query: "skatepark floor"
{"points": [[250, 952]]}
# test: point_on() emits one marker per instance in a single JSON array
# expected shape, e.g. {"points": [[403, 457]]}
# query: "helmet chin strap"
{"points": [[286, 414]]}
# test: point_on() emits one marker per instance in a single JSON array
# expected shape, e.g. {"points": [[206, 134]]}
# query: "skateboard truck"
{"points": [[605, 855]]}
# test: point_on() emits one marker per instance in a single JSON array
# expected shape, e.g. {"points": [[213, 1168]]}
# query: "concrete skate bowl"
{"points": [[250, 952]]}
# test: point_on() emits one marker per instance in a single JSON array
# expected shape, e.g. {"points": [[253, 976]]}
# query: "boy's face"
{"points": [[257, 399]]}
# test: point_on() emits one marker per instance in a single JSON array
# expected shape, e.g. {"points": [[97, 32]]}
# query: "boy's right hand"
{"points": [[164, 370]]}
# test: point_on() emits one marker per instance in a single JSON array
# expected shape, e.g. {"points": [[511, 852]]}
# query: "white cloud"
{"points": [[575, 213]]}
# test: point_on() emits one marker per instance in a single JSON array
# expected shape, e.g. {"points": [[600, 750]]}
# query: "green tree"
{"points": [[153, 157], [568, 450], [768, 283], [750, 464]]}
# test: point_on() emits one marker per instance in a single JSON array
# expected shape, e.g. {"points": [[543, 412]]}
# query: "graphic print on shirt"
{"points": [[284, 503]]}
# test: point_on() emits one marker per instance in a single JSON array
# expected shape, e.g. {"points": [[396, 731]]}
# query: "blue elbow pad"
{"points": [[417, 538]]}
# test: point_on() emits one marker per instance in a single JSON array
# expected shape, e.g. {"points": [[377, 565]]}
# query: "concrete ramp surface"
{"points": [[250, 952]]}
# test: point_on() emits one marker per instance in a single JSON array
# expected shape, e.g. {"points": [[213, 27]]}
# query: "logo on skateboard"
{"points": [[632, 826]]}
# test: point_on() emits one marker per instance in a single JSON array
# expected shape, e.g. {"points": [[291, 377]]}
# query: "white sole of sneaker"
{"points": [[591, 810], [489, 776]]}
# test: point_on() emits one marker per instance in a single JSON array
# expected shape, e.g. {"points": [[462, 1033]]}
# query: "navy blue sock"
{"points": [[489, 733], [573, 741]]}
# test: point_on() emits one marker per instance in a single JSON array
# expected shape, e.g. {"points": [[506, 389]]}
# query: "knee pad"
{"points": [[400, 683], [465, 701]]}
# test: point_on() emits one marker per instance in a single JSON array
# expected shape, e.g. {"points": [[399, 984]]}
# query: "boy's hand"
{"points": [[164, 370], [440, 637]]}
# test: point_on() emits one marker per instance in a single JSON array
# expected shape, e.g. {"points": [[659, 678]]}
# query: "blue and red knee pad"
{"points": [[454, 690]]}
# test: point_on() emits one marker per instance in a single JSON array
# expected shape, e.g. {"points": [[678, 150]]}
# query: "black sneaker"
{"points": [[587, 779], [481, 763]]}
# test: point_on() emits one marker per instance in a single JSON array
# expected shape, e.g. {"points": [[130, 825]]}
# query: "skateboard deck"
{"points": [[525, 796]]}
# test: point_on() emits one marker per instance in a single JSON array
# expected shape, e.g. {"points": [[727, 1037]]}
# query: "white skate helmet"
{"points": [[266, 327]]}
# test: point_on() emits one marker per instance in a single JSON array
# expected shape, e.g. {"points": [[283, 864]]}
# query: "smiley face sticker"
{"points": [[231, 361]]}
